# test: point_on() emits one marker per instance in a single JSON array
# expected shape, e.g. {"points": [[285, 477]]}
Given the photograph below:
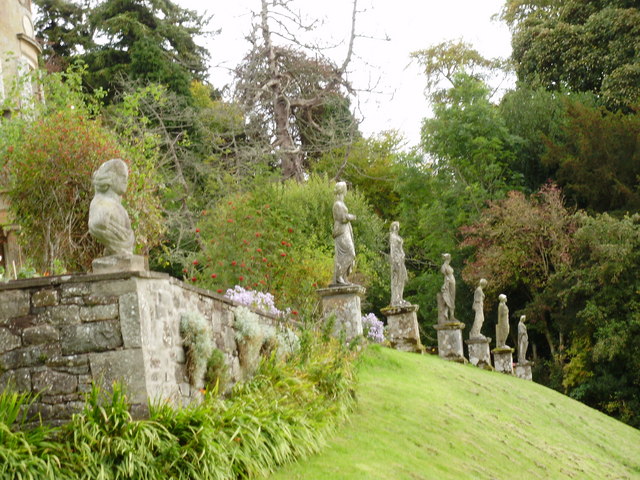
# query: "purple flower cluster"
{"points": [[254, 299], [373, 328]]}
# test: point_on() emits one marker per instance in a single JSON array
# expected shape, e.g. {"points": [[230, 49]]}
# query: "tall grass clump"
{"points": [[286, 411], [24, 453], [283, 413]]}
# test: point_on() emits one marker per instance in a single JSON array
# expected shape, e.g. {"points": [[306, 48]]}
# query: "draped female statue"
{"points": [[345, 253], [398, 268]]}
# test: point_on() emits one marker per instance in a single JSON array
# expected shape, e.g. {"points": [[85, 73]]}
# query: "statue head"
{"points": [[447, 257], [112, 174], [395, 226], [340, 188], [523, 318], [482, 283], [502, 297]]}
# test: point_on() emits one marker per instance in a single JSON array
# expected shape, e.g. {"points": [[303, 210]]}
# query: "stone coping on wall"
{"points": [[398, 309], [449, 326], [501, 350], [474, 340], [38, 282], [342, 290]]}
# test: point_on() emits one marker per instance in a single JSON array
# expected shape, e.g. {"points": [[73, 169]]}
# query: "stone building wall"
{"points": [[19, 49], [59, 334]]}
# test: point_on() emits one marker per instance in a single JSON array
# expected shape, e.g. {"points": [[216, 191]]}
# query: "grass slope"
{"points": [[419, 417]]}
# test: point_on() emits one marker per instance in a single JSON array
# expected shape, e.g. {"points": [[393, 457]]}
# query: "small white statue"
{"points": [[447, 295], [478, 308], [345, 253], [502, 329], [523, 340], [109, 222], [398, 268]]}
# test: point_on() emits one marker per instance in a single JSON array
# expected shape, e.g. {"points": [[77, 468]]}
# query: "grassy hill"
{"points": [[419, 417]]}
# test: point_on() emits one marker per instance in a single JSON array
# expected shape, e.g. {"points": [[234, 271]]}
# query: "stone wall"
{"points": [[59, 334]]}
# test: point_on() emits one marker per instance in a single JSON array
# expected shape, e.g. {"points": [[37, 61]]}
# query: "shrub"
{"points": [[49, 162], [277, 238]]}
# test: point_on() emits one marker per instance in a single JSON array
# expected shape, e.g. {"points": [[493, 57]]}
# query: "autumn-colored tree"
{"points": [[519, 244]]}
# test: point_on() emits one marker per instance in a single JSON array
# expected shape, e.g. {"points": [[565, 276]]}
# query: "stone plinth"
{"points": [[523, 371], [479, 352], [402, 325], [450, 341], [341, 305], [119, 263], [503, 359]]}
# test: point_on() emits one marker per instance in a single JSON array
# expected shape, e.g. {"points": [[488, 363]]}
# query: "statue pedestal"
{"points": [[341, 304], [402, 327], [450, 341], [479, 352], [503, 359], [523, 371], [119, 263]]}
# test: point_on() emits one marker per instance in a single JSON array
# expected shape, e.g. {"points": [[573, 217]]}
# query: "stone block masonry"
{"points": [[60, 334]]}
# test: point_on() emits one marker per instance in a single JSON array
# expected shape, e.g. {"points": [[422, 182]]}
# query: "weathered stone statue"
{"points": [[523, 340], [447, 295], [478, 308], [108, 220], [502, 329], [398, 268], [345, 253]]}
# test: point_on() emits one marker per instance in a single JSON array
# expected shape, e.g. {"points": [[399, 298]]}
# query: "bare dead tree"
{"points": [[295, 93]]}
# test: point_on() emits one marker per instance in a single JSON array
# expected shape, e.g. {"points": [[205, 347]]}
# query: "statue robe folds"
{"points": [[345, 253]]}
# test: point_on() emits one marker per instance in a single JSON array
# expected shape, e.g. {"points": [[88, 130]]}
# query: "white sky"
{"points": [[398, 102]]}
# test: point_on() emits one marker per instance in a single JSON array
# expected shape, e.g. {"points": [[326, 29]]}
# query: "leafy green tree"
{"points": [[598, 160], [62, 25], [467, 138], [146, 40], [579, 45], [533, 116], [598, 296], [372, 166], [447, 59]]}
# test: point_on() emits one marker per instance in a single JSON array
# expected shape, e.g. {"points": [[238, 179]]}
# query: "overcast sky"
{"points": [[398, 101]]}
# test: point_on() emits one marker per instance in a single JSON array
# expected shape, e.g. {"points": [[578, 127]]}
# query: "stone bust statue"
{"points": [[109, 222], [398, 268], [478, 308], [523, 340], [345, 253], [502, 329]]}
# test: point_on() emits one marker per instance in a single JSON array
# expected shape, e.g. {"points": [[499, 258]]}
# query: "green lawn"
{"points": [[419, 417]]}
